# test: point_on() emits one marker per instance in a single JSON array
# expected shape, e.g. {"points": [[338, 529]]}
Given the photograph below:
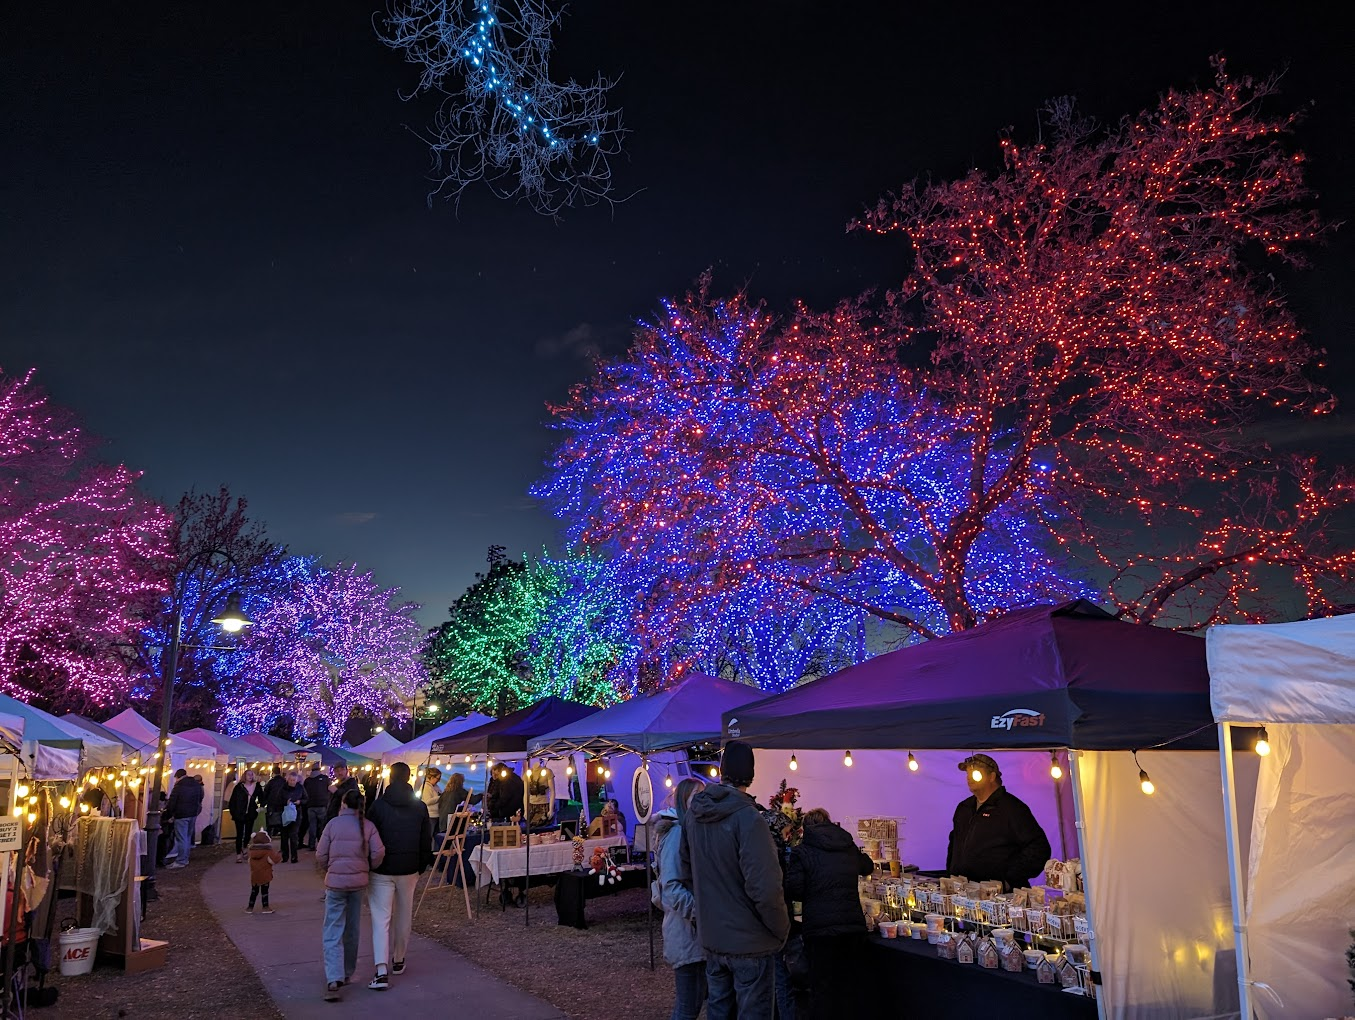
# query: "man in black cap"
{"points": [[993, 835], [730, 861]]}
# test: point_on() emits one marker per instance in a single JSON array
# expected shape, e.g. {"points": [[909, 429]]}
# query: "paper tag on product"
{"points": [[1081, 928]]}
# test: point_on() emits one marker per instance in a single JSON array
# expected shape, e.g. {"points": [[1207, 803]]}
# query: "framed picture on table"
{"points": [[642, 795]]}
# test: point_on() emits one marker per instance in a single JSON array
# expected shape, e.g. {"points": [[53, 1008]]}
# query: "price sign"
{"points": [[11, 833]]}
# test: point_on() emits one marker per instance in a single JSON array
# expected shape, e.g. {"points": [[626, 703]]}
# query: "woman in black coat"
{"points": [[244, 805], [821, 874]]}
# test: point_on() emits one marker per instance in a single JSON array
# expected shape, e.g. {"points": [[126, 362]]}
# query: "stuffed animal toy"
{"points": [[601, 865]]}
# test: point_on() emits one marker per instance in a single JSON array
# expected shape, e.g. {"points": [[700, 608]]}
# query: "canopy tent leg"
{"points": [[1079, 823], [649, 883], [1235, 869]]}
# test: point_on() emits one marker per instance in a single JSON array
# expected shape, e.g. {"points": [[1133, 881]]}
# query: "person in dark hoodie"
{"points": [[185, 804], [729, 860], [274, 799], [821, 873], [343, 782], [402, 820], [317, 804]]}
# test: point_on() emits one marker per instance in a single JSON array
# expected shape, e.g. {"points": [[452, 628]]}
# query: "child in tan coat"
{"points": [[262, 857]]}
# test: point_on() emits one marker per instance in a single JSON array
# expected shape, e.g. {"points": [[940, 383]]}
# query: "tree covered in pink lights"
{"points": [[83, 557], [330, 645]]}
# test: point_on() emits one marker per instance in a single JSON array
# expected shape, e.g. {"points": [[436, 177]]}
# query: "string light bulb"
{"points": [[793, 763], [714, 772], [847, 759], [22, 791], [1262, 745], [1146, 784], [912, 762], [569, 770], [607, 774], [65, 802], [976, 775], [668, 780], [1055, 769]]}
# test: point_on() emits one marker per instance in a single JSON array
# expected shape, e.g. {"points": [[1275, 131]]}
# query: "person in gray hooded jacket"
{"points": [[730, 861], [681, 944]]}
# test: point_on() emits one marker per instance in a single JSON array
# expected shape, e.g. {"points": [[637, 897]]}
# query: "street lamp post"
{"points": [[431, 710], [232, 621]]}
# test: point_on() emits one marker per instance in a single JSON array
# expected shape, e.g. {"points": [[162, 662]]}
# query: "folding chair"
{"points": [[449, 861]]}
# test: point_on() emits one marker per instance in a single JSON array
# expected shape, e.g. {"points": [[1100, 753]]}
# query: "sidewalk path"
{"points": [[284, 948]]}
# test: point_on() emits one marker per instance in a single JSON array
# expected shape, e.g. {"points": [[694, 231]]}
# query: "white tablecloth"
{"points": [[547, 858]]}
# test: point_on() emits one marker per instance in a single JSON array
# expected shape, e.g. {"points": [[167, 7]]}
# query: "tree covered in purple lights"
{"points": [[782, 481], [329, 646]]}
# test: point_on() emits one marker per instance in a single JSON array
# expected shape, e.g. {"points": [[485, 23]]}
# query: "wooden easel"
{"points": [[450, 861]]}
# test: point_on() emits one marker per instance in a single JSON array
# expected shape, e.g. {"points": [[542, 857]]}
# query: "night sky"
{"points": [[217, 249]]}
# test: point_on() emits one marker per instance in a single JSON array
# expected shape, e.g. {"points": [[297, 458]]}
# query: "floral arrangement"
{"points": [[784, 800]]}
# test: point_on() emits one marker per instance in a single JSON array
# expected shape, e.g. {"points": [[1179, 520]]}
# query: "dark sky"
{"points": [[216, 245]]}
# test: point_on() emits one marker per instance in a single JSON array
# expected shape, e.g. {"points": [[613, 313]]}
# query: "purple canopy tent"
{"points": [[508, 738], [1047, 678], [684, 714], [1069, 675]]}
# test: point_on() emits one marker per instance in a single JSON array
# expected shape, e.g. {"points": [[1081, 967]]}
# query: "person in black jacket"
{"points": [[273, 800], [506, 794], [821, 874], [245, 804], [343, 782], [994, 836], [184, 804], [402, 821], [317, 804]]}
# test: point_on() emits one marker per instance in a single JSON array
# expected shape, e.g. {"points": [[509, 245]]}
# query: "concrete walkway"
{"points": [[284, 948]]}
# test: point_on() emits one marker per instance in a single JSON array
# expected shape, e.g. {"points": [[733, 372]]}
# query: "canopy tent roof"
{"points": [[514, 731], [129, 750], [418, 749], [145, 737], [44, 729], [377, 744], [1067, 675], [11, 729], [1283, 672], [343, 756], [235, 748], [273, 745], [684, 714]]}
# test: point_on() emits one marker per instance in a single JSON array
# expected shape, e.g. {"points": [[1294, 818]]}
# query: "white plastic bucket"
{"points": [[78, 947]]}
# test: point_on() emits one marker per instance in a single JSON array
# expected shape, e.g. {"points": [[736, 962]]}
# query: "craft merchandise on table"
{"points": [[547, 858], [1040, 933]]}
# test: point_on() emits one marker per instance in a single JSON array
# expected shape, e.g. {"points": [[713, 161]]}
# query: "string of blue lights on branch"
{"points": [[503, 120]]}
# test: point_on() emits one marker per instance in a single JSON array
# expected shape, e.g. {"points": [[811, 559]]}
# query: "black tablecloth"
{"points": [[909, 975], [574, 888]]}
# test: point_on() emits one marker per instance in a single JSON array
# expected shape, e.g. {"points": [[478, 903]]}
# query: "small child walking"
{"points": [[262, 857]]}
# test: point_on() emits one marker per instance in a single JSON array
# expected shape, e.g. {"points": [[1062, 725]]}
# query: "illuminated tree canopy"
{"points": [[83, 557], [502, 119], [528, 630], [1053, 403], [331, 645]]}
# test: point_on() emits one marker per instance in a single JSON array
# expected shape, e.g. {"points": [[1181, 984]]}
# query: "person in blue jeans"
{"points": [[730, 860], [348, 849], [185, 804]]}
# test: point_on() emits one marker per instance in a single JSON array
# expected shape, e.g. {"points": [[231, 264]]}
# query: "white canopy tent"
{"points": [[377, 745], [53, 749], [1294, 911], [416, 752]]}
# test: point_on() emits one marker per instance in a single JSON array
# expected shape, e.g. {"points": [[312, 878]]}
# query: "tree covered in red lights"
{"points": [[1059, 394], [82, 557], [331, 645]]}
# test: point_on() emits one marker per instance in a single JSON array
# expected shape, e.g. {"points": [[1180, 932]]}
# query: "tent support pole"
{"points": [[1079, 822], [527, 832], [1235, 869]]}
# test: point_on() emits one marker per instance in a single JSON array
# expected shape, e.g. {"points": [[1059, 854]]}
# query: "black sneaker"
{"points": [[332, 991], [398, 967], [379, 983]]}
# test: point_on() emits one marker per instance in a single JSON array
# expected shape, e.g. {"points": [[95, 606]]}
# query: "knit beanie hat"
{"points": [[261, 838], [736, 764]]}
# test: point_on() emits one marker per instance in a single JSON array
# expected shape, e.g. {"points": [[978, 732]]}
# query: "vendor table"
{"points": [[908, 974], [575, 887], [547, 858]]}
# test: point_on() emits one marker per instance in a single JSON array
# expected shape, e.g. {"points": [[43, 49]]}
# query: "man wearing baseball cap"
{"points": [[994, 836]]}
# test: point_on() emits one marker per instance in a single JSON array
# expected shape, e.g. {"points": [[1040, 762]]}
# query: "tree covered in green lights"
{"points": [[526, 630]]}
